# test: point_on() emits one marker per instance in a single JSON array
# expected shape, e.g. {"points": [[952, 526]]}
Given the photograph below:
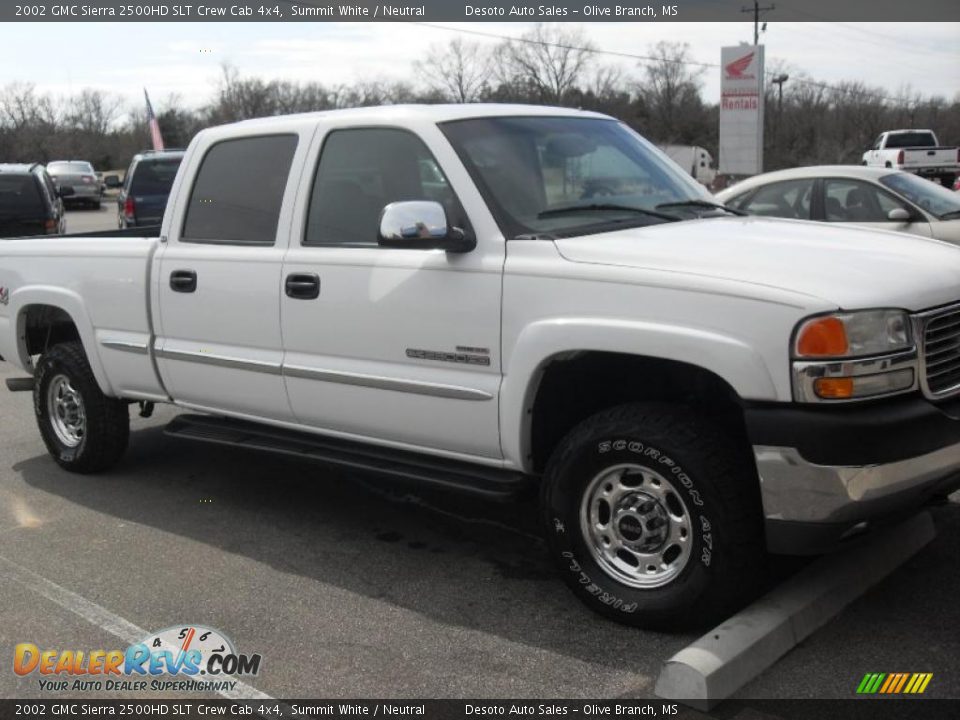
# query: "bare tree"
{"points": [[460, 71], [31, 121], [240, 98], [549, 61], [93, 111], [669, 93]]}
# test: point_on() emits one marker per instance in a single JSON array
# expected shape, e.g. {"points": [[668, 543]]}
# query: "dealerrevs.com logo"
{"points": [[180, 658]]}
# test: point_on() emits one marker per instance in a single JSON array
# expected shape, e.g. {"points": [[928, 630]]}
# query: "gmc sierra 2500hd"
{"points": [[444, 294]]}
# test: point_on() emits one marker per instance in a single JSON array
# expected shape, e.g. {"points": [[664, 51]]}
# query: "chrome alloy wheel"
{"points": [[65, 408], [636, 526]]}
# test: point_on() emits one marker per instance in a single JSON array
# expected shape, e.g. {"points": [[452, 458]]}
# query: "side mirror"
{"points": [[65, 191], [422, 225], [112, 181], [899, 215]]}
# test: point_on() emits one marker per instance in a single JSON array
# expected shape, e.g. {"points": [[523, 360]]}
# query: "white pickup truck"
{"points": [[436, 293], [916, 151]]}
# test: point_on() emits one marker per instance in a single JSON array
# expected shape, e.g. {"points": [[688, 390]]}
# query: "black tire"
{"points": [[106, 421], [714, 479]]}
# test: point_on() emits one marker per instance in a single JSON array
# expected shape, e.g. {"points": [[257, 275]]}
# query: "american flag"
{"points": [[155, 135]]}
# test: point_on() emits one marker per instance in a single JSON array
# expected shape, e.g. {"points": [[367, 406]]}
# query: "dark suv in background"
{"points": [[146, 187], [30, 204]]}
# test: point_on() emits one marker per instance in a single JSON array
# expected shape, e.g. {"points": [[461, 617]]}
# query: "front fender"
{"points": [[72, 304], [727, 357]]}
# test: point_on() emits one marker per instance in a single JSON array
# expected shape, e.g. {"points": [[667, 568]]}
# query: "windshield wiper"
{"points": [[953, 214], [703, 204], [600, 207]]}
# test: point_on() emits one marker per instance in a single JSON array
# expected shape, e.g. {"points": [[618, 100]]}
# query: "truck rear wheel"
{"points": [[654, 518], [84, 430]]}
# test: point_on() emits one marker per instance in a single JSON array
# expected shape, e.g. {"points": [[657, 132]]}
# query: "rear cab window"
{"points": [[911, 140]]}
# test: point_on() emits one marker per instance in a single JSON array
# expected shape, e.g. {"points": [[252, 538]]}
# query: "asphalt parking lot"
{"points": [[352, 588], [84, 220]]}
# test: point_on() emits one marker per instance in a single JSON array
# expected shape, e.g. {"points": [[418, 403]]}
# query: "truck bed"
{"points": [[101, 281]]}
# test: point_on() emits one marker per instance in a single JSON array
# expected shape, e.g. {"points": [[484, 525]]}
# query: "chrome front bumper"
{"points": [[809, 507]]}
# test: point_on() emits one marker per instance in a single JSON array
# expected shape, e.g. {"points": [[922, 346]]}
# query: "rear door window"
{"points": [[238, 191], [788, 199]]}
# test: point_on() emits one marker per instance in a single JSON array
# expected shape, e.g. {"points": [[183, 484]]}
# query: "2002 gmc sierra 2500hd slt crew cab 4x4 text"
{"points": [[483, 297]]}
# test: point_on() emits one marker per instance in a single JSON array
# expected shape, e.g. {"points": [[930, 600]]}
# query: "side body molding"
{"points": [[538, 343]]}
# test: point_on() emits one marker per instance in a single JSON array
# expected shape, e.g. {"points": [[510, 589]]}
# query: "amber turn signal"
{"points": [[822, 337], [833, 388]]}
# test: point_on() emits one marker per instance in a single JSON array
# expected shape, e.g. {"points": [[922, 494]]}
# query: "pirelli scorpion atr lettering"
{"points": [[494, 298]]}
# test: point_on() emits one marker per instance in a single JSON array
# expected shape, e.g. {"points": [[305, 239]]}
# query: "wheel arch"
{"points": [[612, 363], [51, 315]]}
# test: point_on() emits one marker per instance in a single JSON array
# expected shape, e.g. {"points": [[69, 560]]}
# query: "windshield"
{"points": [[154, 177], [64, 168], [561, 176], [931, 196], [911, 140], [20, 194]]}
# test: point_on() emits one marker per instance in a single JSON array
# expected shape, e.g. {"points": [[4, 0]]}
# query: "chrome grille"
{"points": [[941, 353]]}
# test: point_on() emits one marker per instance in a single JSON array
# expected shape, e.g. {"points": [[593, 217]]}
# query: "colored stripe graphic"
{"points": [[903, 681], [894, 683]]}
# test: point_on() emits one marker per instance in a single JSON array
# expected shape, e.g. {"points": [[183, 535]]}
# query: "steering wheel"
{"points": [[598, 191]]}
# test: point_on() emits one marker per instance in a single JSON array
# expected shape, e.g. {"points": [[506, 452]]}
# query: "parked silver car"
{"points": [[80, 175], [875, 197]]}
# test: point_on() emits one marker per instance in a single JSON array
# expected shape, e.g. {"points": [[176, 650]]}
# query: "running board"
{"points": [[490, 483], [20, 384]]}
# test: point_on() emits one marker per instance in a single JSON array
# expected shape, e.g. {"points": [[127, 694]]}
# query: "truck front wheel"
{"points": [[653, 517], [84, 430]]}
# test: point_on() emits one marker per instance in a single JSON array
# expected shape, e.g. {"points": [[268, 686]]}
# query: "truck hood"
{"points": [[849, 267]]}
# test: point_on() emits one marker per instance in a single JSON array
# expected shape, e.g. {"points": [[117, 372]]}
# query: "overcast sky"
{"points": [[185, 58]]}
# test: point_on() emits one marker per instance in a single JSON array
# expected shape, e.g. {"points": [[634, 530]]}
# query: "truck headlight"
{"points": [[853, 334], [853, 356]]}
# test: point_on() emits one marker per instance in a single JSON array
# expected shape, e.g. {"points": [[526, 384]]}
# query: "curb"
{"points": [[728, 657]]}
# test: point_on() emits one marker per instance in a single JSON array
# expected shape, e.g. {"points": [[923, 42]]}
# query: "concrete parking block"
{"points": [[732, 654]]}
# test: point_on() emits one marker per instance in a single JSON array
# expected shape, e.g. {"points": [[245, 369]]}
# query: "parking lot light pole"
{"points": [[779, 80]]}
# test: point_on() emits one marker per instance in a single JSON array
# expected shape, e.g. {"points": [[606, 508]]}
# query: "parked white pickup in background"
{"points": [[916, 151]]}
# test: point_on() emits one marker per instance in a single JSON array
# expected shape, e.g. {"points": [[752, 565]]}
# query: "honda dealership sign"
{"points": [[741, 110]]}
